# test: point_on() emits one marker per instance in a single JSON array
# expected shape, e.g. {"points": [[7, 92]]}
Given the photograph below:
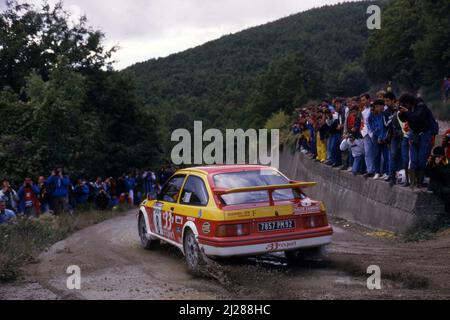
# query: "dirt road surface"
{"points": [[114, 266]]}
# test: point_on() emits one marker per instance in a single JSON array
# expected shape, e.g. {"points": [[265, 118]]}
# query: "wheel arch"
{"points": [[143, 211], [188, 225]]}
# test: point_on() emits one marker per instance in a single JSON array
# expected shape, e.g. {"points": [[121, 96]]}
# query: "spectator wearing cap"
{"points": [[6, 215], [421, 123], [438, 170]]}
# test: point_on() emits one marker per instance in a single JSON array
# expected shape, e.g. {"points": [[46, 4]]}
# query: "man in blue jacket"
{"points": [[376, 123], [58, 184]]}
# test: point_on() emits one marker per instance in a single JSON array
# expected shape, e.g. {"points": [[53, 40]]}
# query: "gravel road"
{"points": [[114, 266]]}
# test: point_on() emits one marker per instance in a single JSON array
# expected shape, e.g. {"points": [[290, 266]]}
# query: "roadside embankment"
{"points": [[365, 201]]}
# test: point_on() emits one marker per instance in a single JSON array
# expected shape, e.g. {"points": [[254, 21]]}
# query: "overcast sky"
{"points": [[146, 29]]}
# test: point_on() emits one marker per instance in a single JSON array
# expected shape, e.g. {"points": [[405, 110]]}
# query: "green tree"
{"points": [[34, 39]]}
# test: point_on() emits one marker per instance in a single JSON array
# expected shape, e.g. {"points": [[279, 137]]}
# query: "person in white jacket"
{"points": [[356, 146]]}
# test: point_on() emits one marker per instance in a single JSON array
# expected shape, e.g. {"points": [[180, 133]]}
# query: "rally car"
{"points": [[238, 210]]}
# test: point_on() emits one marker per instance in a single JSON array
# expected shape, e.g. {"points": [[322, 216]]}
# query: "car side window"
{"points": [[194, 192], [171, 191]]}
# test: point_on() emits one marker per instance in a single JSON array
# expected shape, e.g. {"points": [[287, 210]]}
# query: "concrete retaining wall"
{"points": [[370, 203]]}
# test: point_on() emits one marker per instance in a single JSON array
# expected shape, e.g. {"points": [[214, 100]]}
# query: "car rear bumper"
{"points": [[247, 248]]}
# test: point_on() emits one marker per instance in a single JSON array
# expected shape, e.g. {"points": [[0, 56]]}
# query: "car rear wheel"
{"points": [[146, 241], [194, 257], [304, 254]]}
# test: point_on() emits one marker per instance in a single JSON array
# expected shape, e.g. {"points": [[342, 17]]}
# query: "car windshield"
{"points": [[255, 178]]}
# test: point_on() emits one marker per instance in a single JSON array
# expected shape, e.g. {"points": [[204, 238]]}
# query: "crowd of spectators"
{"points": [[59, 194], [380, 138]]}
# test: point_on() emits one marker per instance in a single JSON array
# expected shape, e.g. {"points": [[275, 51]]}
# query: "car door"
{"points": [[163, 211], [194, 201]]}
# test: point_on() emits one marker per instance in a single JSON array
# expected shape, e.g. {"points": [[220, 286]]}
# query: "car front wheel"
{"points": [[194, 256], [146, 242]]}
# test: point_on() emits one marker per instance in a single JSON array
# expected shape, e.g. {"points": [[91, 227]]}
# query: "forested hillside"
{"points": [[216, 82], [60, 102]]}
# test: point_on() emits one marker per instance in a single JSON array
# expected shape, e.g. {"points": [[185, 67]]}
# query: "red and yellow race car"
{"points": [[238, 210]]}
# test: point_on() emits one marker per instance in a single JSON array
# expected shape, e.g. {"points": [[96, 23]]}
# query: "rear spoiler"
{"points": [[270, 188], [292, 185]]}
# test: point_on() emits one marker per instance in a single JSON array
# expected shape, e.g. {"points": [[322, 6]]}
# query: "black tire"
{"points": [[194, 257], [304, 254], [147, 243]]}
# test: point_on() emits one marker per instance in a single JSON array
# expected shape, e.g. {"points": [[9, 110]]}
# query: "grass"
{"points": [[23, 240], [427, 229]]}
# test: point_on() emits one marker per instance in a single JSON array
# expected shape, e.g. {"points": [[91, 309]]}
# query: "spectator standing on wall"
{"points": [[395, 137], [376, 123], [9, 195], [59, 183], [356, 147], [421, 123], [29, 199], [367, 134]]}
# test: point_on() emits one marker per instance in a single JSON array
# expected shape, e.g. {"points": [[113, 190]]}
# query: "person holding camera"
{"points": [[29, 199], [438, 170], [6, 215], [354, 145], [59, 183], [422, 127], [9, 195]]}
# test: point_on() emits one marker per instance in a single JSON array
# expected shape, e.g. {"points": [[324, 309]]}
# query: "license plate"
{"points": [[276, 225]]}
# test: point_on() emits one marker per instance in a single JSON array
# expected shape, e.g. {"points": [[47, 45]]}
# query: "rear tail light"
{"points": [[233, 230], [316, 222]]}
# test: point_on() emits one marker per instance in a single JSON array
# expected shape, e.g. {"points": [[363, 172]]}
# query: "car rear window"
{"points": [[255, 178]]}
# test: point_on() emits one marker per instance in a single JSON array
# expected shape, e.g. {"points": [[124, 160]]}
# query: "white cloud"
{"points": [[147, 29]]}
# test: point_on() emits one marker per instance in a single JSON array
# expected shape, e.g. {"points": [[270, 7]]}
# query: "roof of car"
{"points": [[224, 168]]}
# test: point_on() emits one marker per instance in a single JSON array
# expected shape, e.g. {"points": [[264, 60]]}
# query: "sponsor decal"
{"points": [[239, 214], [190, 219], [275, 246], [179, 231], [206, 228], [200, 213], [178, 220]]}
